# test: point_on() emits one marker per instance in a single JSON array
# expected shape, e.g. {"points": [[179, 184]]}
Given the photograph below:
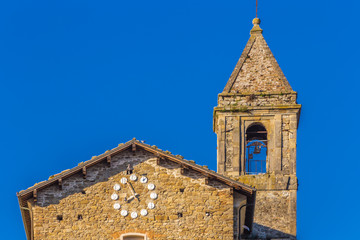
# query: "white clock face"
{"points": [[114, 196], [151, 186], [144, 212], [151, 205], [143, 179], [134, 215], [117, 187], [153, 195], [123, 180], [130, 194], [133, 177], [117, 206], [124, 213]]}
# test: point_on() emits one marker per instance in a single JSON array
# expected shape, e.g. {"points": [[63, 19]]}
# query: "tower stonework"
{"points": [[256, 123]]}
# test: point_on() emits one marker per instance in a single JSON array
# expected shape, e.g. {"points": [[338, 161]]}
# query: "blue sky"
{"points": [[79, 77]]}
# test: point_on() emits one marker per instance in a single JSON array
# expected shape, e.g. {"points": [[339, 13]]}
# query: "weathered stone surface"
{"points": [[256, 99], [272, 216], [260, 72], [258, 93], [101, 221]]}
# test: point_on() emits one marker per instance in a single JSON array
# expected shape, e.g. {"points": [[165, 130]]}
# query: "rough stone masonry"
{"points": [[258, 94]]}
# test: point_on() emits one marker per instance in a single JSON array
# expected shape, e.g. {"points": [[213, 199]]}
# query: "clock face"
{"points": [[134, 198]]}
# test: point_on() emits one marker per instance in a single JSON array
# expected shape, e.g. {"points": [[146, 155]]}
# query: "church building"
{"points": [[139, 192]]}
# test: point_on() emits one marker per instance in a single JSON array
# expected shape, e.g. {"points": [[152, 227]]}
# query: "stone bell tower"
{"points": [[256, 123]]}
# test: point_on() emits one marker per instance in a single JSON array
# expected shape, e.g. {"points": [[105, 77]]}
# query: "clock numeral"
{"points": [[143, 179], [134, 215], [144, 212], [114, 196], [133, 177], [123, 180], [153, 196], [151, 186], [151, 205], [124, 213], [117, 187]]}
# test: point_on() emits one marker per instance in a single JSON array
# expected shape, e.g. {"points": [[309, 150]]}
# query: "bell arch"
{"points": [[256, 140]]}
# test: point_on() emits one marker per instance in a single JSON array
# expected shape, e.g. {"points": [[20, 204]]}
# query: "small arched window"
{"points": [[256, 149], [133, 236]]}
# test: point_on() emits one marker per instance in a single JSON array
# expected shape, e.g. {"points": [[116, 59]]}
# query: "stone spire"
{"points": [[257, 70]]}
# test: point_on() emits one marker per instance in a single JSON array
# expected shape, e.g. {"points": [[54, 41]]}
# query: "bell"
{"points": [[257, 149]]}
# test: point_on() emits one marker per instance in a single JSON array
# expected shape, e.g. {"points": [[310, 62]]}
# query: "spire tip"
{"points": [[256, 21], [256, 28]]}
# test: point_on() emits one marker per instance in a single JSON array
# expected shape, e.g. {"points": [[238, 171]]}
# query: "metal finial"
{"points": [[256, 8]]}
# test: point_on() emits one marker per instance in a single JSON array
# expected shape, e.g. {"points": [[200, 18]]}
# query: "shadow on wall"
{"points": [[261, 232]]}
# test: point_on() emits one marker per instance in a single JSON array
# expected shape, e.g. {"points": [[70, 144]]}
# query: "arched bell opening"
{"points": [[256, 149]]}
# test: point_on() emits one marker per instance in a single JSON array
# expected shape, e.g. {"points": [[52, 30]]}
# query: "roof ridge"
{"points": [[239, 64], [122, 146]]}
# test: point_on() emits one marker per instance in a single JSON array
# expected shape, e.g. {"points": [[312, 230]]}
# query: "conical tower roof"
{"points": [[257, 69]]}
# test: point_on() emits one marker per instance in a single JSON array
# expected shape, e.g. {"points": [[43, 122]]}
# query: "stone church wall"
{"points": [[273, 214], [275, 208], [207, 210]]}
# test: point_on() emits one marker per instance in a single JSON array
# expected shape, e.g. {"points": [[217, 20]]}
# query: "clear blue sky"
{"points": [[78, 77]]}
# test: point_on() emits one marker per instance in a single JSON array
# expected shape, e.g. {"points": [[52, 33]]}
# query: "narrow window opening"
{"points": [[133, 236], [80, 217], [129, 169], [83, 192], [59, 218], [182, 190], [180, 214], [256, 149]]}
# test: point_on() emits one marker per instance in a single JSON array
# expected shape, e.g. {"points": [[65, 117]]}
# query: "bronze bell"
{"points": [[257, 149]]}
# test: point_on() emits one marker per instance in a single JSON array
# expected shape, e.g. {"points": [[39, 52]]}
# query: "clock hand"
{"points": [[130, 198], [135, 195], [132, 190]]}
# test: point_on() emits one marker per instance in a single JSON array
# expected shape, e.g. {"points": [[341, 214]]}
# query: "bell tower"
{"points": [[256, 123]]}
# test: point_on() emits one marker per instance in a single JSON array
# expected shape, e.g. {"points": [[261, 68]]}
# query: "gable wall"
{"points": [[102, 221]]}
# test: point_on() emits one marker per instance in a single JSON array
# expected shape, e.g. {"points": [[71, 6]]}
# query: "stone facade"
{"points": [[258, 93], [207, 209]]}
